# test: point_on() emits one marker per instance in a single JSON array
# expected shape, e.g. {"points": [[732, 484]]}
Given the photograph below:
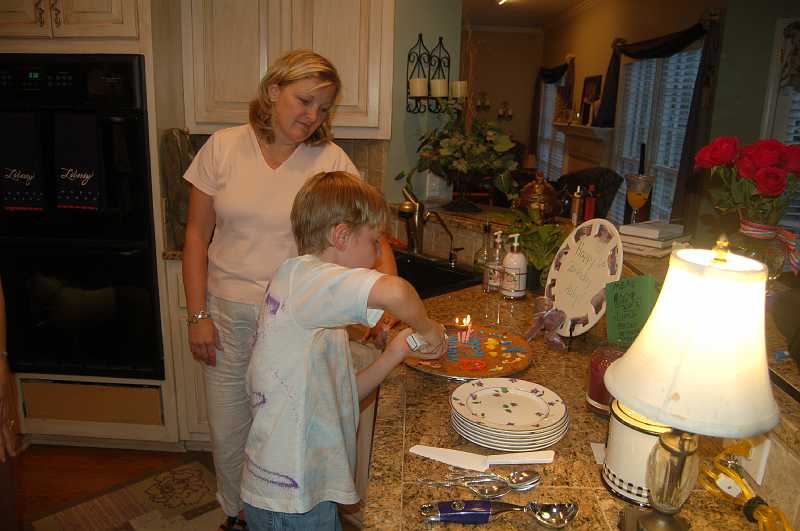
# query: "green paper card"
{"points": [[629, 302]]}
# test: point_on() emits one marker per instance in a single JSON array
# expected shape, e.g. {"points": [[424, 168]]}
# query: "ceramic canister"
{"points": [[631, 437]]}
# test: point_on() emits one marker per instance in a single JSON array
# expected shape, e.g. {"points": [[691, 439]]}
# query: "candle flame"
{"points": [[467, 320]]}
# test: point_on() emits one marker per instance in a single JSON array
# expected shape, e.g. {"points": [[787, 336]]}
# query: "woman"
{"points": [[244, 180]]}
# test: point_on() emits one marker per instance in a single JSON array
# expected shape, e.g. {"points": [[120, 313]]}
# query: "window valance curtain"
{"points": [[549, 76], [650, 49], [688, 187]]}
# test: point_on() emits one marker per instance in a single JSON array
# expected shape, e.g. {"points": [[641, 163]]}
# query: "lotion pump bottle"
{"points": [[515, 271], [493, 274]]}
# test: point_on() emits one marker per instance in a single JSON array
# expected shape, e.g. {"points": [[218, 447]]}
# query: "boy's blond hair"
{"points": [[293, 66], [330, 198]]}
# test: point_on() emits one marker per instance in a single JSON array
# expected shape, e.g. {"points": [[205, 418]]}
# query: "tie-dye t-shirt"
{"points": [[302, 388]]}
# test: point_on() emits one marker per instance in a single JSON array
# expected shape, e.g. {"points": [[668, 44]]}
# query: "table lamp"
{"points": [[699, 365]]}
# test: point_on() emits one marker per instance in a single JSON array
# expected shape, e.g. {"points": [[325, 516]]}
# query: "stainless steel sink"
{"points": [[432, 276]]}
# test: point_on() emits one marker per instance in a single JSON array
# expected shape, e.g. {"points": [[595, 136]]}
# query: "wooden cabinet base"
{"points": [[92, 402]]}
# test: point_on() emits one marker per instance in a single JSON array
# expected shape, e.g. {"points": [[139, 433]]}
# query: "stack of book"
{"points": [[651, 238]]}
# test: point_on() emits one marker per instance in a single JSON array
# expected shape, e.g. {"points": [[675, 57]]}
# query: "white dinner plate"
{"points": [[510, 437], [508, 404], [508, 447]]}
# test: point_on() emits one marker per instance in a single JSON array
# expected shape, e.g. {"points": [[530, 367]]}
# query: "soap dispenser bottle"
{"points": [[493, 274], [515, 271]]}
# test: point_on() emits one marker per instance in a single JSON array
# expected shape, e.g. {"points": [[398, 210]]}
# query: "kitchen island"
{"points": [[413, 408]]}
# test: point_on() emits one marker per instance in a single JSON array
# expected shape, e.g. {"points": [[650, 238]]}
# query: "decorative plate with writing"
{"points": [[587, 260]]}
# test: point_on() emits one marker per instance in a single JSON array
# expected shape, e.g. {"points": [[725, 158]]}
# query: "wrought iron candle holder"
{"points": [[427, 77], [439, 76], [482, 102], [417, 76], [504, 112]]}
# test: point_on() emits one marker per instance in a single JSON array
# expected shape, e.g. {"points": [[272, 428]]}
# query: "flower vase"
{"points": [[753, 241]]}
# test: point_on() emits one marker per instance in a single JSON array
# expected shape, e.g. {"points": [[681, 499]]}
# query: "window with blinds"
{"points": [[654, 110], [781, 119], [551, 141], [791, 135]]}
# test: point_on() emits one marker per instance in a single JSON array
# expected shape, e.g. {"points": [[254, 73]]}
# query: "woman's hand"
{"points": [[7, 435], [204, 341]]}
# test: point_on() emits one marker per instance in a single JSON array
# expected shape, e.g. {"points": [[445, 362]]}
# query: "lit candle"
{"points": [[458, 89], [418, 87], [439, 88], [468, 322]]}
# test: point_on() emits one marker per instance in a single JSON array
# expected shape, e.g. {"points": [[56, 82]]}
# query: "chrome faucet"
{"points": [[416, 216]]}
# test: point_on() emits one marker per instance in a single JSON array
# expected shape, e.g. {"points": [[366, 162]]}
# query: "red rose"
{"points": [[791, 159], [765, 153], [746, 167], [720, 152], [771, 181]]}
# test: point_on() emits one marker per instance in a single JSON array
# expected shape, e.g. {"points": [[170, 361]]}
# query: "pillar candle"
{"points": [[439, 88], [418, 87], [458, 89]]}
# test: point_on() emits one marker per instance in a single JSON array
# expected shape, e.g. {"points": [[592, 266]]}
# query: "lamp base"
{"points": [[633, 519]]}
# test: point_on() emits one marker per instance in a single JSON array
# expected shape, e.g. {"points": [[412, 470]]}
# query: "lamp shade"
{"points": [[700, 364]]}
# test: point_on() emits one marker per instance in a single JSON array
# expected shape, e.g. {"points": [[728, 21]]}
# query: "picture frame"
{"points": [[590, 95]]}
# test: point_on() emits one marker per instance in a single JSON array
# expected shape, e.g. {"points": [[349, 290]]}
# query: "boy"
{"points": [[300, 454]]}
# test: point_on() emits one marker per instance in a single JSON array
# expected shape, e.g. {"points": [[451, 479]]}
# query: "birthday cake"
{"points": [[484, 351]]}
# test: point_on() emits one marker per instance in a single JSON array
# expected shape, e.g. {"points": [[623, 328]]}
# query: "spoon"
{"points": [[551, 515], [518, 480], [487, 488]]}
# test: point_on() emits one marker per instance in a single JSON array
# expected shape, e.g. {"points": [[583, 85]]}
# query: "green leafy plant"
{"points": [[539, 243], [479, 153]]}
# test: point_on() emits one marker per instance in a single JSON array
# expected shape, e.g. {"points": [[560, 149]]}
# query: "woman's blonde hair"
{"points": [[293, 66], [330, 198]]}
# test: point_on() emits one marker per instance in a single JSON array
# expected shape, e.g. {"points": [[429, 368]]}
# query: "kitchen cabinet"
{"points": [[229, 44], [69, 18], [189, 379]]}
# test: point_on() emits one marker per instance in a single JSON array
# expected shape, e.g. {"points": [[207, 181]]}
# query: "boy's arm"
{"points": [[370, 378], [395, 295]]}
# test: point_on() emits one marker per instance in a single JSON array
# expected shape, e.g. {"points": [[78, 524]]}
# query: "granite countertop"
{"points": [[413, 408]]}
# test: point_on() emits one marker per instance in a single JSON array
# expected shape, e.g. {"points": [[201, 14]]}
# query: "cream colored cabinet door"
{"points": [[69, 18], [94, 18], [25, 18], [358, 37], [224, 57], [190, 385]]}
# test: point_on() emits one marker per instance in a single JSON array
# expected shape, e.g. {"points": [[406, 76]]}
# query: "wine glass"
{"points": [[638, 192]]}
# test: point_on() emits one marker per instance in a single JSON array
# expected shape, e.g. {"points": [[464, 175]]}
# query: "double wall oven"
{"points": [[77, 254]]}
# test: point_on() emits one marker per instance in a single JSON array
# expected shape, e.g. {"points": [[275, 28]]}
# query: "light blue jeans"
{"points": [[323, 516], [229, 414]]}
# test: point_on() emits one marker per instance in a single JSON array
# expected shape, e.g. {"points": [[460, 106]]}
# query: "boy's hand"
{"points": [[398, 348], [435, 342]]}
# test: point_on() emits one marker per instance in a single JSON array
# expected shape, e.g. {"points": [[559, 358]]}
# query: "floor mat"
{"points": [[181, 498]]}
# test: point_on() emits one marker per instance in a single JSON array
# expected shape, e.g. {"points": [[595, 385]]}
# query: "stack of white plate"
{"points": [[508, 414]]}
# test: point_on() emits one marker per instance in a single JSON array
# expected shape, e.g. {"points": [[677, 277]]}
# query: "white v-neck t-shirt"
{"points": [[252, 202]]}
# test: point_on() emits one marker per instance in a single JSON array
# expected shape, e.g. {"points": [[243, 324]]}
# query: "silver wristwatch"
{"points": [[193, 318]]}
